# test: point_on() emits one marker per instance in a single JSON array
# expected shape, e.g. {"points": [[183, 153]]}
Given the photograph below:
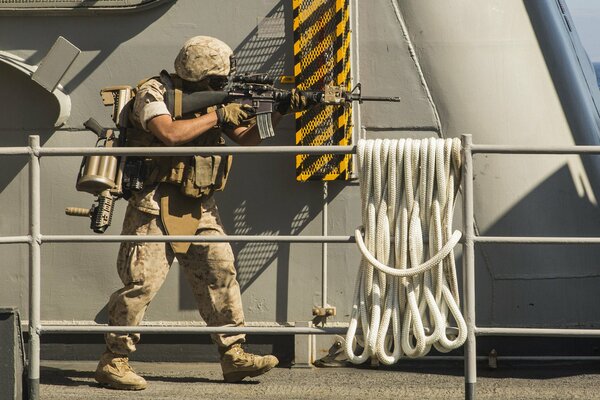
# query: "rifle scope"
{"points": [[261, 79]]}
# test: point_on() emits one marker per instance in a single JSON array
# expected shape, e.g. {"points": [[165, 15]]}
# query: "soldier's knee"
{"points": [[221, 273], [220, 252], [141, 290]]}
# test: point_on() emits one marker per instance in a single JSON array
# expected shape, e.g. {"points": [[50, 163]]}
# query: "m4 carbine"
{"points": [[108, 177], [259, 91]]}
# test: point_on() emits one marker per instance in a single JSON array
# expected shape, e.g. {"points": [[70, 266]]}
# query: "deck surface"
{"points": [[63, 380]]}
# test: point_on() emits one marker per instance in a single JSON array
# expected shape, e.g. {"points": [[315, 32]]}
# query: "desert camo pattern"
{"points": [[143, 267], [203, 56]]}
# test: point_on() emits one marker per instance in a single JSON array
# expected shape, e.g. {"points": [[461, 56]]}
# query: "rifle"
{"points": [[110, 178], [259, 91]]}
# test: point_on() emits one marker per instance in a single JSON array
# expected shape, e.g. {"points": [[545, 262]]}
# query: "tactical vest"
{"points": [[197, 176]]}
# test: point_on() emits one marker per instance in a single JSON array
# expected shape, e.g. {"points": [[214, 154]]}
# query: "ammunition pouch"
{"points": [[196, 176]]}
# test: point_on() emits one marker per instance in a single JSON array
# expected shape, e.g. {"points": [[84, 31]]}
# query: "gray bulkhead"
{"points": [[514, 72], [482, 65]]}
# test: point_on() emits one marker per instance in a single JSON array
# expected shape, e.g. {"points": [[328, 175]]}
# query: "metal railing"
{"points": [[470, 239], [35, 239]]}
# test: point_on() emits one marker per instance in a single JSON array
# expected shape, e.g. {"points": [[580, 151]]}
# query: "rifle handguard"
{"points": [[198, 101]]}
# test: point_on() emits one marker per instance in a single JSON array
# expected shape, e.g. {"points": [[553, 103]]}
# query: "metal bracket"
{"points": [[55, 64], [335, 356], [333, 94], [324, 311], [63, 99]]}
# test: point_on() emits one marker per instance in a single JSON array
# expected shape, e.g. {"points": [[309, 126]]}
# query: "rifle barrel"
{"points": [[393, 99]]}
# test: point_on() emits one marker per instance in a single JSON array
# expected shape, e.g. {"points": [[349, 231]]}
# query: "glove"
{"points": [[233, 114], [297, 102]]}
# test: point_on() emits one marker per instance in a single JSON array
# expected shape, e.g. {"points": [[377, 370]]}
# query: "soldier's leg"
{"points": [[210, 269], [211, 272], [142, 268]]}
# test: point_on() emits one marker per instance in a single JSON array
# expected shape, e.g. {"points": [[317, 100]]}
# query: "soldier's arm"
{"points": [[174, 133], [150, 111]]}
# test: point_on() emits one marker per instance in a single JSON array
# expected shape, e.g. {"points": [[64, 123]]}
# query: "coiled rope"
{"points": [[408, 189]]}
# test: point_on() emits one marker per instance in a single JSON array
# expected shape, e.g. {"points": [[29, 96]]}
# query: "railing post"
{"points": [[34, 268], [304, 347], [469, 268], [324, 261]]}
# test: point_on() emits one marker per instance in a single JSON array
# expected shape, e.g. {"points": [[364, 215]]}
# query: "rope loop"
{"points": [[406, 293]]}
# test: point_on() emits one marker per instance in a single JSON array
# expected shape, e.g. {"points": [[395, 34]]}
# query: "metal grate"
{"points": [[321, 56]]}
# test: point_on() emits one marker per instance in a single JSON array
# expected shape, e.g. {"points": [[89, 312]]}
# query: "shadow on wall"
{"points": [[262, 196], [572, 75], [120, 28], [541, 285], [27, 109]]}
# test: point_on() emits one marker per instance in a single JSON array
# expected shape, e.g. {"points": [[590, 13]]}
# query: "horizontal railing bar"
{"points": [[15, 239], [510, 149], [537, 240], [15, 151], [196, 239], [179, 150], [205, 150], [292, 330], [280, 238], [479, 331], [545, 358], [73, 327], [284, 330], [190, 151]]}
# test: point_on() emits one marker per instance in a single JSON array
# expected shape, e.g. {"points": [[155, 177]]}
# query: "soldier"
{"points": [[177, 199]]}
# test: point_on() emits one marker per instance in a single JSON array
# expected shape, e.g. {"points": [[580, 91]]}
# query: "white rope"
{"points": [[406, 292]]}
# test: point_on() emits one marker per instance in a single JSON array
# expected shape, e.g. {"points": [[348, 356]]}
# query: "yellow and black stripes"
{"points": [[321, 56]]}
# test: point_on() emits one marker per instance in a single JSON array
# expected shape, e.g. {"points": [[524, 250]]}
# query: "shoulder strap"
{"points": [[178, 97], [174, 95]]}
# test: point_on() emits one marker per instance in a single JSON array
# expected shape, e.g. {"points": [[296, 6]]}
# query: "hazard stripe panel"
{"points": [[322, 57]]}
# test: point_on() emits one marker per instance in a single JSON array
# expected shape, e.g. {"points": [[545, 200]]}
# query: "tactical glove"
{"points": [[297, 102], [233, 114]]}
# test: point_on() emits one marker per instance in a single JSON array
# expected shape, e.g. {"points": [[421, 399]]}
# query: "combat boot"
{"points": [[115, 372], [237, 364]]}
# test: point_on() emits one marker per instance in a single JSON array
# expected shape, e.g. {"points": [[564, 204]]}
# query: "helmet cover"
{"points": [[203, 56]]}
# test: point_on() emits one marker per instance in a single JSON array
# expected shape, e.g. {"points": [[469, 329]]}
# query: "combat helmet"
{"points": [[203, 56]]}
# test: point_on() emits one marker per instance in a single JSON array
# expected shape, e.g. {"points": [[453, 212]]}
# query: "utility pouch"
{"points": [[178, 168], [207, 174], [204, 171], [134, 173], [221, 171]]}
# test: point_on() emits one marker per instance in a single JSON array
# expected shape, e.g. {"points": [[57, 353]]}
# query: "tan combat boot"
{"points": [[115, 372], [237, 364]]}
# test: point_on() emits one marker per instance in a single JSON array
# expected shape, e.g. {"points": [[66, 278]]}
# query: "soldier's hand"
{"points": [[233, 114], [297, 102]]}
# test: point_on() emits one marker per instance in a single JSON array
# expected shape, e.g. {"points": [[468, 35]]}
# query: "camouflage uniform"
{"points": [[142, 267]]}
